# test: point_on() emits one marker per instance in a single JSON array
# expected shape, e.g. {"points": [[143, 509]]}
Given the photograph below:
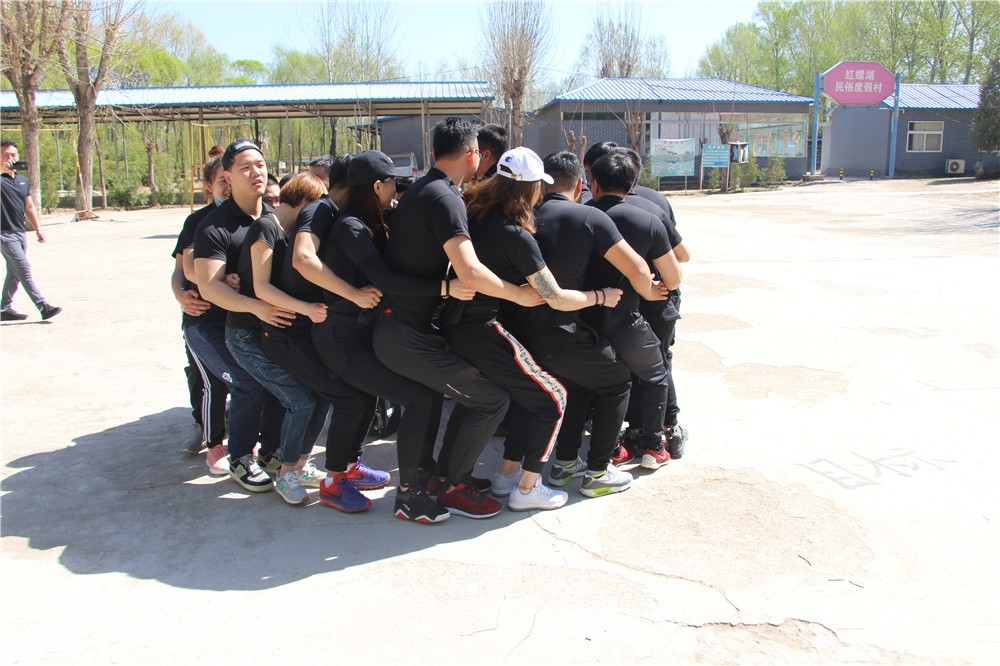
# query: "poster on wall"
{"points": [[672, 157]]}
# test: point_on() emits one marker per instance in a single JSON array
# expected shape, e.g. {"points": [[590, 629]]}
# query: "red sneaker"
{"points": [[654, 459], [622, 456], [438, 484], [469, 502]]}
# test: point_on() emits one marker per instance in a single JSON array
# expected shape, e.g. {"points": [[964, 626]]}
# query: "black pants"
{"points": [[293, 350], [210, 398], [538, 400], [595, 380], [417, 351], [639, 349], [346, 349]]}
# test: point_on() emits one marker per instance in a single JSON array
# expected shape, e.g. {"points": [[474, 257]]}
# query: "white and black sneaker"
{"points": [[246, 472]]}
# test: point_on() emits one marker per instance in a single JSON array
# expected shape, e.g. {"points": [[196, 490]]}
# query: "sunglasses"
{"points": [[271, 200]]}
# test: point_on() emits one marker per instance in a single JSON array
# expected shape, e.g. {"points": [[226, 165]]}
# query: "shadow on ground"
{"points": [[126, 500]]}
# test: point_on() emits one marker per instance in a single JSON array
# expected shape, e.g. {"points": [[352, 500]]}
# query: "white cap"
{"points": [[522, 164]]}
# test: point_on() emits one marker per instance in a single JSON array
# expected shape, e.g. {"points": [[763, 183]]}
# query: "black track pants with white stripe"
{"points": [[538, 399]]}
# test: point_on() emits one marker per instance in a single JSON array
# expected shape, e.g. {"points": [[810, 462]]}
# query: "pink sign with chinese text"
{"points": [[858, 83]]}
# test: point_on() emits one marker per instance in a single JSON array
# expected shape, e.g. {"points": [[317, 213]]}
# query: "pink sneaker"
{"points": [[217, 461]]}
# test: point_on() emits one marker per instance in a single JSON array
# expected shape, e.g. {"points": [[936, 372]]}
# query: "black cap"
{"points": [[235, 148], [368, 167]]}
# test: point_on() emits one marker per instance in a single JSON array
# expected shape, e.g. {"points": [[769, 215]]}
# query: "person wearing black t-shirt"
{"points": [[266, 245], [501, 223], [208, 394], [16, 205], [429, 230], [629, 333], [344, 341], [253, 413], [571, 238]]}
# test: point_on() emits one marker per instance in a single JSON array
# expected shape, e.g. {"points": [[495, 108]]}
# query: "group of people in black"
{"points": [[306, 301]]}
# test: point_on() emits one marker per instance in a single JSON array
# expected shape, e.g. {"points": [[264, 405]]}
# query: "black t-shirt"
{"points": [[507, 250], [265, 230], [666, 310], [355, 256], [644, 232], [651, 195], [221, 234], [316, 217], [571, 237], [185, 239], [430, 215], [14, 194]]}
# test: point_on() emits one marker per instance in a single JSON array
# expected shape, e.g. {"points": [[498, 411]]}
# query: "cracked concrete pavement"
{"points": [[837, 366]]}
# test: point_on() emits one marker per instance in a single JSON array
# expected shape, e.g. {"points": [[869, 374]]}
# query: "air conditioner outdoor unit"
{"points": [[954, 167]]}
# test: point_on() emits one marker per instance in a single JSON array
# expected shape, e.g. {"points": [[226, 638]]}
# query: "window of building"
{"points": [[924, 136]]}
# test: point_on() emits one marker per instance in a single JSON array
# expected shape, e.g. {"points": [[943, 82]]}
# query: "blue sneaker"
{"points": [[364, 477], [338, 492]]}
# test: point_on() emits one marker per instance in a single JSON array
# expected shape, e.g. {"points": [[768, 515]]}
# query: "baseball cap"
{"points": [[235, 148], [368, 167], [522, 164]]}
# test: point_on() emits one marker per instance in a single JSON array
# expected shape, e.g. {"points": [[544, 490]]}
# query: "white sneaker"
{"points": [[503, 485], [288, 486], [310, 476], [217, 461], [613, 480], [541, 497]]}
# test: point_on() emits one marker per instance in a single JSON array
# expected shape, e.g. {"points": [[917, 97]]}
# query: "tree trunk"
{"points": [[85, 154], [150, 175], [100, 170], [333, 136], [30, 124]]}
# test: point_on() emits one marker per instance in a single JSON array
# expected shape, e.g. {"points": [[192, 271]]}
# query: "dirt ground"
{"points": [[837, 367]]}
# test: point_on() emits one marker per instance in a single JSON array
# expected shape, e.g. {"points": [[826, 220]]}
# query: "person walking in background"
{"points": [[18, 207]]}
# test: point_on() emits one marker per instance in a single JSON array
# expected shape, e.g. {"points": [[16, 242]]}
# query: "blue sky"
{"points": [[689, 27]]}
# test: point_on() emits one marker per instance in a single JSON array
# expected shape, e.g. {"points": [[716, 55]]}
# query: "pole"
{"points": [[815, 145], [895, 130]]}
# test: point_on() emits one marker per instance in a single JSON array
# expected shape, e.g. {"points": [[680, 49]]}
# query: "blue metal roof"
{"points": [[935, 96], [675, 90], [328, 99]]}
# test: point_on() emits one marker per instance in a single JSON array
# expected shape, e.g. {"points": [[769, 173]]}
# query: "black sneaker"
{"points": [[417, 504], [676, 436], [10, 314], [49, 311]]}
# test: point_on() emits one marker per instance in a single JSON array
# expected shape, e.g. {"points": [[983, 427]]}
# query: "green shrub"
{"points": [[751, 171], [714, 179], [127, 196], [775, 172]]}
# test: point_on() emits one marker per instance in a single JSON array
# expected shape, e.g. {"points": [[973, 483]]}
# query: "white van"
{"points": [[405, 164]]}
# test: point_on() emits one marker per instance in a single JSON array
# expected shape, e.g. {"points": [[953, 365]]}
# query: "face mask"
{"points": [[219, 202]]}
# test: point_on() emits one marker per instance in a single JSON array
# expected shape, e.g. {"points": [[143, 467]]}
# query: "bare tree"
{"points": [[355, 42], [31, 34], [517, 35], [94, 24]]}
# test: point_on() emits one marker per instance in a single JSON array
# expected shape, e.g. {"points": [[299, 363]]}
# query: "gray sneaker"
{"points": [[246, 472], [613, 480], [290, 488], [195, 440], [560, 475]]}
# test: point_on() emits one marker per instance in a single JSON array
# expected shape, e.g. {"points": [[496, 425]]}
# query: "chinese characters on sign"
{"points": [[672, 157], [858, 83]]}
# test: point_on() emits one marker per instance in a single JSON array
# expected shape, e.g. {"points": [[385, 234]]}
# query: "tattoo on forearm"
{"points": [[545, 285]]}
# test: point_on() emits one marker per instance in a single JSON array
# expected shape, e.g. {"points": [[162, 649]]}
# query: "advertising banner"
{"points": [[672, 157]]}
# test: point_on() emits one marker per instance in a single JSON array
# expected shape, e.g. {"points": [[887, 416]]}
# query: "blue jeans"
{"points": [[297, 400], [15, 247], [252, 410]]}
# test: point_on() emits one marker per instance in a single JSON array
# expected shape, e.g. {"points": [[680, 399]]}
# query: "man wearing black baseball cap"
{"points": [[217, 243]]}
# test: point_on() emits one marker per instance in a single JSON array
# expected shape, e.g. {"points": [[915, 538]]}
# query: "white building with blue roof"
{"points": [[934, 137]]}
